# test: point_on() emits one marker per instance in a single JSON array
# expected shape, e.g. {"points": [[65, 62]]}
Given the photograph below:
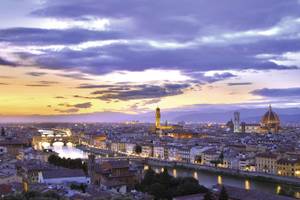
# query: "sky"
{"points": [[90, 56]]}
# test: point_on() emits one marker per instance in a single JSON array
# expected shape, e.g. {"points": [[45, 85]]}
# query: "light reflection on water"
{"points": [[204, 178], [210, 179], [68, 151]]}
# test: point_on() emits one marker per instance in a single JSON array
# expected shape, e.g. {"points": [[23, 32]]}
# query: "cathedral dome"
{"points": [[270, 117], [270, 121]]}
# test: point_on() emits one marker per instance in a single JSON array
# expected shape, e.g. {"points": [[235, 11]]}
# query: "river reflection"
{"points": [[68, 151], [204, 178], [211, 179]]}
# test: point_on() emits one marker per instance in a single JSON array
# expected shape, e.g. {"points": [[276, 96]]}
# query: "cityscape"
{"points": [[146, 100]]}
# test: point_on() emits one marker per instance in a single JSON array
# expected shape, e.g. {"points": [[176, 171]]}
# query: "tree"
{"points": [[138, 149], [208, 195], [149, 177], [223, 194], [158, 190], [221, 157], [164, 186]]}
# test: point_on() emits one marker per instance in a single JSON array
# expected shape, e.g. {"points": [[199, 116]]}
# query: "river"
{"points": [[205, 178]]}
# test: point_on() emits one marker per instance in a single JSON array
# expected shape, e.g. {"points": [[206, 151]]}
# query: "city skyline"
{"points": [[85, 57]]}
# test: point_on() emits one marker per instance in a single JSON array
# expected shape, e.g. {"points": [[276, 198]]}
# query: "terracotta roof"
{"points": [[5, 189], [266, 155], [63, 173], [288, 161], [118, 163]]}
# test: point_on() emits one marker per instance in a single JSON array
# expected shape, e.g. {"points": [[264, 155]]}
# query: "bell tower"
{"points": [[157, 118]]}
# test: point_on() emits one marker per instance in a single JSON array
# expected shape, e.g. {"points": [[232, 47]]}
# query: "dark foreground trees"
{"points": [[164, 186], [223, 194], [34, 195], [67, 163]]}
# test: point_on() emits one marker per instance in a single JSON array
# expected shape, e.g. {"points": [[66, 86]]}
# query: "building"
{"points": [[183, 154], [114, 174], [159, 152], [157, 118], [130, 148], [14, 146], [196, 154], [63, 175], [270, 122], [250, 128], [288, 167], [3, 150], [210, 155], [266, 162], [236, 122], [147, 150], [180, 135], [159, 127]]}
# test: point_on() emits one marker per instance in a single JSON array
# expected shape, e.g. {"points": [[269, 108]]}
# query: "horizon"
{"points": [[83, 58]]}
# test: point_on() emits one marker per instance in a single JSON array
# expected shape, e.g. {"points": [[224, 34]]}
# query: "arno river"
{"points": [[204, 178]]}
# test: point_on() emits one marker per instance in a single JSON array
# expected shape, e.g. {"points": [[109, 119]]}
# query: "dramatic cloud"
{"points": [[91, 86], [37, 85], [239, 84], [76, 76], [191, 36], [8, 63], [59, 97], [285, 92], [83, 105], [141, 92], [36, 73], [136, 53], [71, 110], [37, 36], [42, 84]]}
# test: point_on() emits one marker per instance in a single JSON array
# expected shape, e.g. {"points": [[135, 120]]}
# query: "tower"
{"points": [[157, 118], [236, 122]]}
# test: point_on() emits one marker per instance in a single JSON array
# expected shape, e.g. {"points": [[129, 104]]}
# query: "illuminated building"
{"points": [[236, 122], [159, 127], [116, 174], [266, 162], [159, 152], [288, 167], [270, 122], [180, 135], [157, 118]]}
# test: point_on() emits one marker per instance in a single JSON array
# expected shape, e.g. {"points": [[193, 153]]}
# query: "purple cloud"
{"points": [[277, 92], [38, 36]]}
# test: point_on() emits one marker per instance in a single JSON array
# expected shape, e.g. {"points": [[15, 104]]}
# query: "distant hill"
{"points": [[287, 115]]}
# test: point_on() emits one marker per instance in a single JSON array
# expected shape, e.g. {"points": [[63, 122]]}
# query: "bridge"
{"points": [[54, 135]]}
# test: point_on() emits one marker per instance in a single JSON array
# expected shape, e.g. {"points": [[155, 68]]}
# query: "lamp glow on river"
{"points": [[247, 184], [220, 180]]}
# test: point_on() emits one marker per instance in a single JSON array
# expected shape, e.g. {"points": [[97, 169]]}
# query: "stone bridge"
{"points": [[55, 135]]}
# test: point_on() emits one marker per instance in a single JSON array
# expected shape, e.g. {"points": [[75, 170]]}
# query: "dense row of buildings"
{"points": [[269, 123], [236, 146]]}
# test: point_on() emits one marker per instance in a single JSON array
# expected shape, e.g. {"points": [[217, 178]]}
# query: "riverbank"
{"points": [[190, 166], [224, 171]]}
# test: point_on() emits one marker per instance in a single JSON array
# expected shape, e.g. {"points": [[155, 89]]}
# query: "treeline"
{"points": [[164, 186], [68, 163], [34, 195]]}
